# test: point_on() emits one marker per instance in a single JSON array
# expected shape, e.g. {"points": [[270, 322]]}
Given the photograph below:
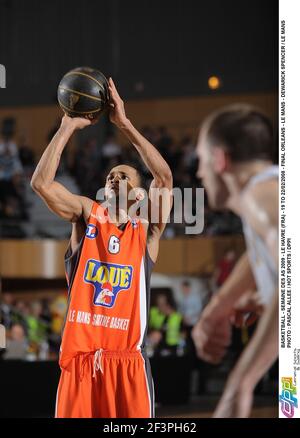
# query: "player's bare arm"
{"points": [[61, 201], [161, 186]]}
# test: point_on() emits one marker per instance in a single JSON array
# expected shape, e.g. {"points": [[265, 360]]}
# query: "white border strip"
{"points": [[289, 130]]}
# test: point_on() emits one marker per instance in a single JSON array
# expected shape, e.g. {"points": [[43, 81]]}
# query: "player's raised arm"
{"points": [[59, 200], [160, 170], [152, 158]]}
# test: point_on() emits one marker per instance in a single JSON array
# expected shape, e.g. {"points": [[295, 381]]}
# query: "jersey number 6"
{"points": [[114, 245]]}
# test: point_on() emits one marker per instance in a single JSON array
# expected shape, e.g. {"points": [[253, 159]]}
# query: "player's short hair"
{"points": [[244, 131]]}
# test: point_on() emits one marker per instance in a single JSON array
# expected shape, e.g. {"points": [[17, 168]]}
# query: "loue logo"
{"points": [[2, 76], [108, 280], [287, 398]]}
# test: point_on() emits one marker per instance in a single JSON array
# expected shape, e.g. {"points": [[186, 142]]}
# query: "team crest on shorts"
{"points": [[108, 280]]}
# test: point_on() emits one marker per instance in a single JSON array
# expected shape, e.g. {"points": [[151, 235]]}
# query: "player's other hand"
{"points": [[212, 333], [247, 309], [74, 122], [117, 113]]}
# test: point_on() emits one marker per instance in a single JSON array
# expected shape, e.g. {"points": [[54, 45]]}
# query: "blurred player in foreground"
{"points": [[105, 371], [235, 150]]}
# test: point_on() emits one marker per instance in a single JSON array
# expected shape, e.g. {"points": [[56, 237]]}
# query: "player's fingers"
{"points": [[251, 319], [222, 336], [210, 348], [215, 343], [113, 97], [116, 101], [114, 89], [202, 336], [214, 350], [209, 326], [214, 359], [238, 319], [113, 93], [211, 344], [94, 121]]}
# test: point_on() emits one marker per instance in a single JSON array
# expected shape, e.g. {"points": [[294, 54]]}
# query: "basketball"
{"points": [[83, 92]]}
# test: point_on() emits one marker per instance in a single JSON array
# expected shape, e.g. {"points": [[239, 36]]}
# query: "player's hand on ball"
{"points": [[75, 122], [212, 334], [117, 113]]}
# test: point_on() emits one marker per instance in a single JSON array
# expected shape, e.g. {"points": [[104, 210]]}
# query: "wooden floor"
{"points": [[265, 407], [267, 412]]}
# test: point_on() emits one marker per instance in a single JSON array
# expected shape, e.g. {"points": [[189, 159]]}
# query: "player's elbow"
{"points": [[37, 185], [166, 178]]}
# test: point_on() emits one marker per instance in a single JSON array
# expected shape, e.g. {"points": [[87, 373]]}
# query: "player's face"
{"points": [[120, 180], [214, 185]]}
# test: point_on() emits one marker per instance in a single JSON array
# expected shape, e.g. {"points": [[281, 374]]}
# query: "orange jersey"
{"points": [[108, 278]]}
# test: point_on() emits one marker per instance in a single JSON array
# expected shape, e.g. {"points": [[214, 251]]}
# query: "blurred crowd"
{"points": [[16, 162], [172, 319], [88, 166], [33, 327]]}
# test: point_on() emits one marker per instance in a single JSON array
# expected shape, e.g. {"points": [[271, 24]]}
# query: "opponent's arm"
{"points": [[261, 210], [59, 200], [212, 333], [239, 281], [256, 359]]}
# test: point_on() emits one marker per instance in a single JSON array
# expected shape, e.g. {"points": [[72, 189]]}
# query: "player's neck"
{"points": [[118, 217], [244, 172], [119, 212]]}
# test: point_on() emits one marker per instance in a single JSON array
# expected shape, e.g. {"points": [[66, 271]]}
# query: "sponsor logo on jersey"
{"points": [[108, 280]]}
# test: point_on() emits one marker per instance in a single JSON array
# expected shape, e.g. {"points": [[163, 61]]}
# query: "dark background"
{"points": [[152, 48]]}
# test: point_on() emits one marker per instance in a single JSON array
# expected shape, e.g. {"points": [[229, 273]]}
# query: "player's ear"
{"points": [[221, 160], [139, 194]]}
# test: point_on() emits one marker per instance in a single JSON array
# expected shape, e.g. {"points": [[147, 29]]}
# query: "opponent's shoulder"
{"points": [[262, 194], [259, 205]]}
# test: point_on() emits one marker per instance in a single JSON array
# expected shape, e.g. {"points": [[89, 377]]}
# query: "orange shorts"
{"points": [[106, 384]]}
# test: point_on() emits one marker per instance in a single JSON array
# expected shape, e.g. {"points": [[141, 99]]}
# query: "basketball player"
{"points": [[235, 150], [105, 372]]}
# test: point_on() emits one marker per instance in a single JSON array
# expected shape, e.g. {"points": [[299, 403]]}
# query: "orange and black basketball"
{"points": [[83, 92]]}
